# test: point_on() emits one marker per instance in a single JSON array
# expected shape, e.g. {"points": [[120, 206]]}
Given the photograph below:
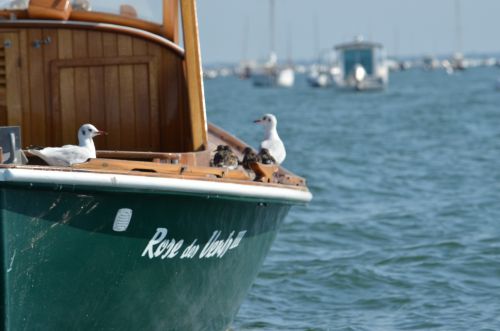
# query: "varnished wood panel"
{"points": [[25, 87], [50, 53], [82, 79], [36, 90], [97, 92], [64, 108], [12, 78], [129, 86], [142, 104], [127, 113], [144, 72], [112, 88]]}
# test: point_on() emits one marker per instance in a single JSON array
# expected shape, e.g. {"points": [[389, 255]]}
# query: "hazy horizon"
{"points": [[232, 30]]}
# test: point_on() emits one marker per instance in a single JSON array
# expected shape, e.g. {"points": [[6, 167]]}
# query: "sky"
{"points": [[232, 30]]}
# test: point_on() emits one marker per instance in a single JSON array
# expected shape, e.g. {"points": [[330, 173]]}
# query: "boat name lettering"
{"points": [[167, 248]]}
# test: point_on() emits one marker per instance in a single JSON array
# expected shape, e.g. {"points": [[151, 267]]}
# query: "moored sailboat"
{"points": [[271, 74], [147, 236]]}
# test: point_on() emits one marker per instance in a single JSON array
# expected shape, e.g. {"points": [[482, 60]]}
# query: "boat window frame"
{"points": [[133, 6], [169, 28]]}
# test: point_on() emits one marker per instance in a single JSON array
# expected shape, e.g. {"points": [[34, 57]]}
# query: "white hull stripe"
{"points": [[153, 183]]}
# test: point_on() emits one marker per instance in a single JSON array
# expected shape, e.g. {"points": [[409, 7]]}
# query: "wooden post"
{"points": [[171, 20], [194, 75]]}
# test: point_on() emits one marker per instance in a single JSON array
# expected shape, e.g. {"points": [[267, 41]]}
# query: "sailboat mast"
{"points": [[272, 26], [316, 37], [244, 45], [289, 46], [458, 26]]}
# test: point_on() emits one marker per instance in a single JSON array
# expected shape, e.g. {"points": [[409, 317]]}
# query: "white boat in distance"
{"points": [[271, 74], [362, 66]]}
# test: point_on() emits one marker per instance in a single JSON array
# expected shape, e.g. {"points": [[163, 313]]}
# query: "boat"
{"points": [[362, 66], [430, 63], [271, 74], [321, 72], [319, 77], [457, 60], [147, 235]]}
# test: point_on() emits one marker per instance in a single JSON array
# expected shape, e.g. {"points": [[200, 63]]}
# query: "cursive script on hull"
{"points": [[168, 248]]}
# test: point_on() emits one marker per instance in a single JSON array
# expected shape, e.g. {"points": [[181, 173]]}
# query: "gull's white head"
{"points": [[269, 121], [87, 132]]}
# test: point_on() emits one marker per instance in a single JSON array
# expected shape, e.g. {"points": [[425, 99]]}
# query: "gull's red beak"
{"points": [[102, 133], [258, 121]]}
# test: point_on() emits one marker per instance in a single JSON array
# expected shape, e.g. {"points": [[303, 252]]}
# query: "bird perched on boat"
{"points": [[266, 157], [249, 157], [224, 157], [272, 141], [70, 154]]}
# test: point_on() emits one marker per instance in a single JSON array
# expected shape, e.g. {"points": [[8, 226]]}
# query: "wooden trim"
{"points": [[194, 75], [83, 16], [148, 182], [127, 167], [231, 140], [133, 155], [79, 15], [44, 24], [101, 61], [171, 19]]}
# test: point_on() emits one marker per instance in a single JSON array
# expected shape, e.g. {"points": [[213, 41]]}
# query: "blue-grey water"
{"points": [[404, 229]]}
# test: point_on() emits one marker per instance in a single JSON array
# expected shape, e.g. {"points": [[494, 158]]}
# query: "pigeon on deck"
{"points": [[272, 141], [70, 154], [225, 157]]}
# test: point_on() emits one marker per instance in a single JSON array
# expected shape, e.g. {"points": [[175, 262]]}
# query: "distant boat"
{"points": [[430, 63], [318, 77], [321, 73], [271, 74], [457, 61], [362, 66]]}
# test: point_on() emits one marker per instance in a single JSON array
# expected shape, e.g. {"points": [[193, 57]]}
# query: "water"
{"points": [[404, 229]]}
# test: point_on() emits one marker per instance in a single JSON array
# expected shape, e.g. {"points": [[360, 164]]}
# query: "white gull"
{"points": [[70, 154], [272, 141]]}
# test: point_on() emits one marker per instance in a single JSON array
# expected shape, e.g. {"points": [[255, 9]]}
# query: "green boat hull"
{"points": [[81, 258]]}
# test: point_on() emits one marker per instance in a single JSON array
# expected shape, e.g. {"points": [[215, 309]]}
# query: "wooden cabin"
{"points": [[65, 63]]}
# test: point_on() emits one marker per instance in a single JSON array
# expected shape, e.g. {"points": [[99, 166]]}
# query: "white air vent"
{"points": [[122, 220]]}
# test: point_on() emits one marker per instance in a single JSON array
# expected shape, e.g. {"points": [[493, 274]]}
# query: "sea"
{"points": [[403, 232]]}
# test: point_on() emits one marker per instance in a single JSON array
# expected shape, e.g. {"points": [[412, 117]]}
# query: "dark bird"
{"points": [[224, 157], [266, 157], [249, 156]]}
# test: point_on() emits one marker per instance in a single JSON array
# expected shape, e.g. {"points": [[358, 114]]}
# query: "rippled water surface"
{"points": [[404, 229]]}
